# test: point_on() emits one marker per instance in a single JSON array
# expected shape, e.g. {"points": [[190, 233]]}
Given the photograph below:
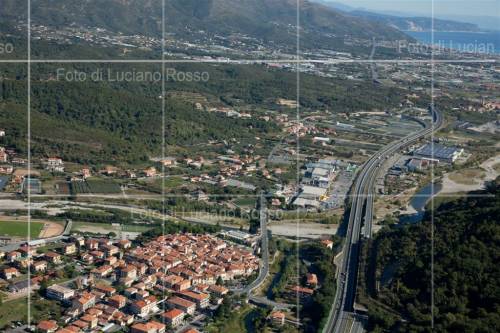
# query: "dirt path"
{"points": [[51, 229]]}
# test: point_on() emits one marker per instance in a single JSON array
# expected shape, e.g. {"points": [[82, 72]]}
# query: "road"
{"points": [[264, 267], [264, 249], [342, 315], [373, 65]]}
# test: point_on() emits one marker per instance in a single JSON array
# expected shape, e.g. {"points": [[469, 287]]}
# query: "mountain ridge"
{"points": [[403, 21], [266, 20]]}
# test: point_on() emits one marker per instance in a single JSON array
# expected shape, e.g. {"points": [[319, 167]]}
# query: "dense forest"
{"points": [[466, 272]]}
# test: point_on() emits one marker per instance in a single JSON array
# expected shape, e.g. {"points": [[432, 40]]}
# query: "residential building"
{"points": [[218, 291], [174, 317], [85, 301], [90, 320], [144, 306], [105, 289], [312, 280], [202, 300], [47, 326], [10, 272], [128, 272], [117, 301], [182, 304], [12, 256], [53, 257], [149, 327], [54, 164], [39, 266], [59, 293], [69, 248], [277, 318]]}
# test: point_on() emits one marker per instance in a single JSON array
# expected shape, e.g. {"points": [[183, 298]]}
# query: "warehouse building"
{"points": [[439, 152]]}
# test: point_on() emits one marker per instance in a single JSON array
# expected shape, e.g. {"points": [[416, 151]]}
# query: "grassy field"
{"points": [[20, 229], [103, 186], [16, 310], [235, 324], [250, 201], [155, 184], [13, 311]]}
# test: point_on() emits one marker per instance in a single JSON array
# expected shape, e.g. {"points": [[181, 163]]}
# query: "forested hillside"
{"points": [[92, 122], [466, 270]]}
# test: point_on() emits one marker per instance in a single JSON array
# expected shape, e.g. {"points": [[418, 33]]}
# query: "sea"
{"points": [[470, 42]]}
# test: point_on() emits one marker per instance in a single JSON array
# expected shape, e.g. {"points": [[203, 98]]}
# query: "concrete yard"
{"points": [[303, 230]]}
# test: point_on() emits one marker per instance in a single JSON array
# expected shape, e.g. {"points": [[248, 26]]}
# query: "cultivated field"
{"points": [[94, 186]]}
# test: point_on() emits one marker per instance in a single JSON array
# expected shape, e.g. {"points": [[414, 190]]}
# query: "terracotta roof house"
{"points": [[47, 326], [173, 317]]}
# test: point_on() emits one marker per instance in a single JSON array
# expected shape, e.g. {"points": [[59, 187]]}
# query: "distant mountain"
{"points": [[416, 23], [337, 5], [267, 20], [402, 21], [483, 22]]}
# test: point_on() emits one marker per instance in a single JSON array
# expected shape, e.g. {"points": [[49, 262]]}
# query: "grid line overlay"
{"points": [[297, 220], [433, 68], [252, 61], [29, 154], [297, 61], [163, 148]]}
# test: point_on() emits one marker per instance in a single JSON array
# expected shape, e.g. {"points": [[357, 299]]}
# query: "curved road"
{"points": [[264, 267], [360, 224]]}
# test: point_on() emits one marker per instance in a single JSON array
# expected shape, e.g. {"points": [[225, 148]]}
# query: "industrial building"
{"points": [[439, 152]]}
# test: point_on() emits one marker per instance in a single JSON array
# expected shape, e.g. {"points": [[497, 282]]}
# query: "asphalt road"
{"points": [[341, 315], [264, 249], [264, 269]]}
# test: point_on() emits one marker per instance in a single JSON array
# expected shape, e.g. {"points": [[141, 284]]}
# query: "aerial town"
{"points": [[114, 284], [184, 166]]}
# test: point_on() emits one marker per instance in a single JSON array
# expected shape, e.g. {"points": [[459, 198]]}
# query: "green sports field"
{"points": [[20, 229]]}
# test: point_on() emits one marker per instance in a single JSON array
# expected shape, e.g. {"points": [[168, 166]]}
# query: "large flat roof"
{"points": [[313, 190], [437, 151]]}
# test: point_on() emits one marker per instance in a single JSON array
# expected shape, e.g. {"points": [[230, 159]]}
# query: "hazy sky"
{"points": [[423, 7]]}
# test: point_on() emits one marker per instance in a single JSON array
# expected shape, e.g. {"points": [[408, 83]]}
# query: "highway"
{"points": [[342, 315]]}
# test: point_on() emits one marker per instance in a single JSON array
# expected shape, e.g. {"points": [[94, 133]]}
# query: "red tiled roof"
{"points": [[47, 325], [172, 314]]}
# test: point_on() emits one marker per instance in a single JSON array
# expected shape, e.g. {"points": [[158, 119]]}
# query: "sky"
{"points": [[423, 7]]}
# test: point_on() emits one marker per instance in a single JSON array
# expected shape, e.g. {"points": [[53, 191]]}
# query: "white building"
{"points": [[59, 293], [54, 164]]}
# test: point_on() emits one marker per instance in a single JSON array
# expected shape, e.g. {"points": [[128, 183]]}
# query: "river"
{"points": [[419, 201]]}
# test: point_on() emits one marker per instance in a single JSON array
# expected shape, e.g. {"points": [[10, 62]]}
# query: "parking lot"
{"points": [[339, 190]]}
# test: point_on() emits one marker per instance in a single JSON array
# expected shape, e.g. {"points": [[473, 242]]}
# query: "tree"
{"points": [[219, 281], [43, 287]]}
